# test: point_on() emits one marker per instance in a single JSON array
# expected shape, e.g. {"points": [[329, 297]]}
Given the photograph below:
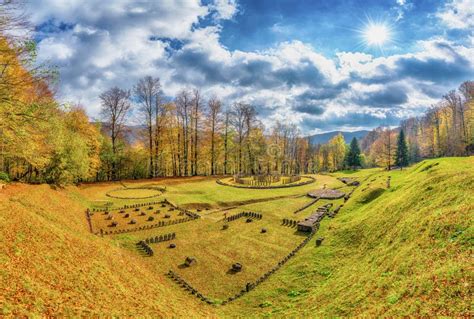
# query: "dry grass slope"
{"points": [[51, 265], [394, 252]]}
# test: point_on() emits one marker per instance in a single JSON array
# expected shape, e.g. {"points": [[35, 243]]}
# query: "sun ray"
{"points": [[376, 34]]}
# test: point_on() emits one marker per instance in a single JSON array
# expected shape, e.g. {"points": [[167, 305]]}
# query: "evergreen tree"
{"points": [[401, 155], [353, 157]]}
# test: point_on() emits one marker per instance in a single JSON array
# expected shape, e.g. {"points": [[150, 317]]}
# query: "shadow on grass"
{"points": [[301, 233], [349, 171], [232, 272], [183, 266]]}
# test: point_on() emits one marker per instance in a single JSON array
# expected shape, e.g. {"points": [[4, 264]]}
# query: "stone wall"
{"points": [[243, 214]]}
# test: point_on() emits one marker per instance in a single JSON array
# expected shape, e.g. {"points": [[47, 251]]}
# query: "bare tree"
{"points": [[147, 94], [115, 106], [195, 119], [238, 121], [13, 19], [214, 111], [250, 115], [453, 101], [161, 110], [226, 140], [183, 108]]}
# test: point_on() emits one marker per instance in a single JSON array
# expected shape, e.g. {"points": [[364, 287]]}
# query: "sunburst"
{"points": [[377, 34]]}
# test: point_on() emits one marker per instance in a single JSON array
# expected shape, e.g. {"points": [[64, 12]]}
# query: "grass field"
{"points": [[214, 248], [403, 250], [134, 193]]}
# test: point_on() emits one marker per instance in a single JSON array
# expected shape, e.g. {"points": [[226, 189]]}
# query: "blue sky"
{"points": [[304, 62], [326, 25]]}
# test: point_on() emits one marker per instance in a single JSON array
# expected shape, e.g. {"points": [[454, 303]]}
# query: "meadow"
{"points": [[257, 244], [398, 249]]}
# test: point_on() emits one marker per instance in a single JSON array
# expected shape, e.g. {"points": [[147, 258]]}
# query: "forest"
{"points": [[43, 140]]}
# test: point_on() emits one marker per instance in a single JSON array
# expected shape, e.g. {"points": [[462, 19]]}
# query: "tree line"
{"points": [[188, 134], [445, 129]]}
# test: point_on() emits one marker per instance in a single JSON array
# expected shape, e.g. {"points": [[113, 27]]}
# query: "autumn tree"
{"points": [[147, 95], [238, 122], [337, 152], [195, 117], [383, 149], [214, 107], [184, 113], [226, 141], [115, 104]]}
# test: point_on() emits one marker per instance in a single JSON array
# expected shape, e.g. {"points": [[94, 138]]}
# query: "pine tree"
{"points": [[401, 155], [353, 157]]}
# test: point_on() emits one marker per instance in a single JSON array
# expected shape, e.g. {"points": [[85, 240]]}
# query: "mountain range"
{"points": [[325, 137]]}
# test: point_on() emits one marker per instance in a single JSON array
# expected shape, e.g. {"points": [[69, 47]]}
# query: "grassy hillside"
{"points": [[398, 251], [51, 265]]}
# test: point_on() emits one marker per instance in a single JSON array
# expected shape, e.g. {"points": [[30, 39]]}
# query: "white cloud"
{"points": [[458, 14], [118, 42], [225, 9]]}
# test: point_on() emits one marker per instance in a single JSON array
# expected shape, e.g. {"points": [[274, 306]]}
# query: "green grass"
{"points": [[134, 193], [405, 251], [402, 251]]}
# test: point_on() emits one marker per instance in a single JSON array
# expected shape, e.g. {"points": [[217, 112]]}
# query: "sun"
{"points": [[376, 34]]}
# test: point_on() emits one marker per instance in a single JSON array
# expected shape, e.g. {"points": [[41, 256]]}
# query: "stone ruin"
{"points": [[289, 222], [326, 193], [311, 222], [157, 239], [319, 241], [333, 213], [349, 181], [145, 247], [237, 267], [249, 215], [189, 261]]}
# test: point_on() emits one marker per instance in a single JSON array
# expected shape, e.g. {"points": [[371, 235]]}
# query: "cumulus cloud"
{"points": [[458, 14], [225, 9], [98, 45]]}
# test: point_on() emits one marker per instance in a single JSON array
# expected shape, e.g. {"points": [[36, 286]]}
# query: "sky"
{"points": [[323, 65]]}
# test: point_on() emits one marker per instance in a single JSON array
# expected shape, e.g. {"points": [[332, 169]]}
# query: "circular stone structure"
{"points": [[326, 193], [238, 182], [136, 192]]}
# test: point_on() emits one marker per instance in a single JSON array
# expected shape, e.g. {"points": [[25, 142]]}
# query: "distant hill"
{"points": [[348, 136]]}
